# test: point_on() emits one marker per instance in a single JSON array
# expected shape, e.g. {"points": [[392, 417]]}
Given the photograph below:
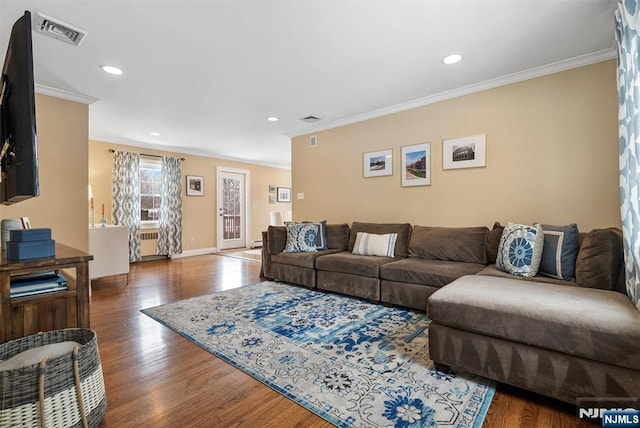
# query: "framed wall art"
{"points": [[416, 165], [195, 185], [466, 152], [378, 164], [284, 194]]}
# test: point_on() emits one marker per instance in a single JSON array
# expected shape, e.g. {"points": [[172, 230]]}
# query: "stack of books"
{"points": [[37, 283]]}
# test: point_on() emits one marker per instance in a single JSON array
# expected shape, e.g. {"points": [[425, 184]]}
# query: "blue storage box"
{"points": [[29, 235], [17, 251]]}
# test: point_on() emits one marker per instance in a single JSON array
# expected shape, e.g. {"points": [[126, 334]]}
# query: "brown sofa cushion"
{"points": [[600, 260], [304, 260], [492, 270], [493, 242], [354, 264], [600, 325], [402, 229], [277, 237], [337, 236], [455, 244], [434, 273]]}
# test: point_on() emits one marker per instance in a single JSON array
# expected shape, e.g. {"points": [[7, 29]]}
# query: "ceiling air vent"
{"points": [[311, 119], [58, 30]]}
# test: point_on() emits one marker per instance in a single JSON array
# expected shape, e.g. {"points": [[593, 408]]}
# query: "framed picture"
{"points": [[284, 194], [466, 152], [195, 185], [272, 188], [378, 164], [416, 165], [272, 199]]}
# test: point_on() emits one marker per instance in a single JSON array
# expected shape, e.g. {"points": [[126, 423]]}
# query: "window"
{"points": [[150, 189]]}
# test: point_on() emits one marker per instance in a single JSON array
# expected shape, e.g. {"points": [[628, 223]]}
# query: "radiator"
{"points": [[147, 236]]}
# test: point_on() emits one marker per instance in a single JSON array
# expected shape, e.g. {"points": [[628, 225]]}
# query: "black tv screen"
{"points": [[18, 153]]}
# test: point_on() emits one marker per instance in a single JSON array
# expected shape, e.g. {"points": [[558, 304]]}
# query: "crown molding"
{"points": [[532, 73], [65, 95], [182, 151]]}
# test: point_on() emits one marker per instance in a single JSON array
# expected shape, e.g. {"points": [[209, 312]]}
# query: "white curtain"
{"points": [[170, 222], [126, 198], [628, 42]]}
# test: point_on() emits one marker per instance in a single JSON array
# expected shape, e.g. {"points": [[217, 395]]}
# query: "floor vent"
{"points": [[147, 236], [59, 30]]}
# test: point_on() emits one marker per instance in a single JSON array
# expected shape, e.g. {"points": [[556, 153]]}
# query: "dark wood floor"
{"points": [[156, 378]]}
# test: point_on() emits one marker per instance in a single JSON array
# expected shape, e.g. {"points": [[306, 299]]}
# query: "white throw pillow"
{"points": [[369, 244]]}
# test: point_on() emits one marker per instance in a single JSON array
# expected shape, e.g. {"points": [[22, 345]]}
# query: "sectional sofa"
{"points": [[564, 339]]}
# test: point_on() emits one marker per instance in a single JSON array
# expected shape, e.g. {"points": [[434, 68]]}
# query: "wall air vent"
{"points": [[311, 119], [58, 30]]}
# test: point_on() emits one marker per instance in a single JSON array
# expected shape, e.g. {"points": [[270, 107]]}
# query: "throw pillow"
{"points": [[559, 252], [301, 238], [520, 249], [369, 244], [321, 237]]}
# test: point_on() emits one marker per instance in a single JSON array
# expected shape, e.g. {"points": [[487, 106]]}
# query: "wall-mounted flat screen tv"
{"points": [[19, 145]]}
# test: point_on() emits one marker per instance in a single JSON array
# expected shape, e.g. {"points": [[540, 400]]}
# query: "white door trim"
{"points": [[247, 203]]}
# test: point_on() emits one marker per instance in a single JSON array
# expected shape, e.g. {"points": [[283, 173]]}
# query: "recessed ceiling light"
{"points": [[451, 59], [273, 119], [111, 69], [155, 134]]}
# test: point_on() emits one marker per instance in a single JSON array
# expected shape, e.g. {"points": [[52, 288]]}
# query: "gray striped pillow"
{"points": [[369, 244]]}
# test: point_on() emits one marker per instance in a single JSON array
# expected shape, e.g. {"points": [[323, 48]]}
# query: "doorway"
{"points": [[233, 203]]}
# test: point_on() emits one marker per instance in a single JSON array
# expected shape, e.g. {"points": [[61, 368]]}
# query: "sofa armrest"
{"points": [[265, 269]]}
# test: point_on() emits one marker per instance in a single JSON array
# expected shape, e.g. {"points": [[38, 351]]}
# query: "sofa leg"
{"points": [[442, 367]]}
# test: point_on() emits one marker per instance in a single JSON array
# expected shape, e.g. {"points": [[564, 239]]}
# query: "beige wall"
{"points": [[199, 213], [552, 157], [62, 128]]}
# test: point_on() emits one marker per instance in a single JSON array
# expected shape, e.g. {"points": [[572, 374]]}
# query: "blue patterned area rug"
{"points": [[353, 363]]}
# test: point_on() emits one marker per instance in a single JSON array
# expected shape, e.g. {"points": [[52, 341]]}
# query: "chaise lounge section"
{"points": [[567, 339]]}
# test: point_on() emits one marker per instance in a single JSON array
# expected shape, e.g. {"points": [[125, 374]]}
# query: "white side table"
{"points": [[109, 246]]}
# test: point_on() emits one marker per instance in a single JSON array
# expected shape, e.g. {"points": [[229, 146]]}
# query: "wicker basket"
{"points": [[47, 394]]}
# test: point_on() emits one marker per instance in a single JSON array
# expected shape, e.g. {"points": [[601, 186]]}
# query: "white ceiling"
{"points": [[206, 74]]}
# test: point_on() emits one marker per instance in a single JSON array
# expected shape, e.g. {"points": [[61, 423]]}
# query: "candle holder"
{"points": [[103, 221], [93, 217]]}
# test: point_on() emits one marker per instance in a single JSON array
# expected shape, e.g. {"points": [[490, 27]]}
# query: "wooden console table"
{"points": [[23, 316]]}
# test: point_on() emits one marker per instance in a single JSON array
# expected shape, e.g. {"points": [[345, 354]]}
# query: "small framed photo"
{"points": [[195, 185], [378, 164], [416, 165], [272, 188], [466, 152], [272, 199], [284, 194], [26, 224]]}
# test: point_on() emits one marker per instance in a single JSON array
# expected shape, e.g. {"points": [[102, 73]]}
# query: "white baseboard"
{"points": [[198, 252]]}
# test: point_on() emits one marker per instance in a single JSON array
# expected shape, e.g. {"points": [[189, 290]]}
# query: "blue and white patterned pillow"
{"points": [[301, 238], [560, 252], [520, 249]]}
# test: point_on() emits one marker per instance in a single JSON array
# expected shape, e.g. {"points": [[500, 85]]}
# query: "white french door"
{"points": [[233, 224]]}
